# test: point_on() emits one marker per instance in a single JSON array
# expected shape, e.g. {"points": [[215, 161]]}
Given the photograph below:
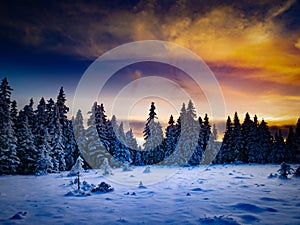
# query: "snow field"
{"points": [[219, 194]]}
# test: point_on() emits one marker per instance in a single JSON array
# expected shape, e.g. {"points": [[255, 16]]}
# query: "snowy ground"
{"points": [[231, 194]]}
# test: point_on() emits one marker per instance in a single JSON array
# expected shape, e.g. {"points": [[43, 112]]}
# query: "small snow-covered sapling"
{"points": [[106, 167]]}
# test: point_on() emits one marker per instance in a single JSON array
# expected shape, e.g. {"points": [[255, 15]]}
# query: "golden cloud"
{"points": [[226, 37]]}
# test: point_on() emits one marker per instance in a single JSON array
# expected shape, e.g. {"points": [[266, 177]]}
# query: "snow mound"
{"points": [[271, 176], [102, 188], [19, 216], [86, 189], [78, 193], [147, 170], [141, 185], [221, 220], [252, 208]]}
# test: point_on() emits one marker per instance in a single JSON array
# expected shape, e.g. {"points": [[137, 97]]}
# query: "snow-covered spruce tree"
{"points": [[93, 143], [178, 157], [189, 134], [155, 152], [57, 142], [238, 151], [279, 150], [26, 149], [137, 159], [79, 133], [153, 134], [251, 144], [170, 143], [130, 140], [112, 131], [198, 155], [49, 107], [28, 110], [264, 143], [9, 161], [71, 149], [152, 116], [171, 138], [77, 167], [194, 129], [101, 124], [121, 152], [68, 139], [96, 137], [205, 133], [42, 140], [225, 154], [290, 143], [121, 133], [250, 137], [62, 109], [201, 137], [14, 113], [212, 148]]}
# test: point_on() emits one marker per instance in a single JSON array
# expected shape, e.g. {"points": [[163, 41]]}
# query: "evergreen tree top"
{"points": [[255, 120], [236, 120], [152, 113], [5, 90], [206, 119], [42, 101], [247, 118], [31, 102], [200, 120], [171, 120], [228, 123], [191, 109], [183, 110], [4, 84]]}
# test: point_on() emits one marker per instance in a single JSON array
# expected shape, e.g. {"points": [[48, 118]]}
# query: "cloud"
{"points": [[248, 44], [276, 11]]}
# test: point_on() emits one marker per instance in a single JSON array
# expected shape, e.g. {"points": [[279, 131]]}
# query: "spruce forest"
{"points": [[40, 140]]}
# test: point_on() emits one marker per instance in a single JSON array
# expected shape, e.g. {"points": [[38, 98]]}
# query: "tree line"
{"points": [[252, 142], [35, 141], [44, 140], [183, 143]]}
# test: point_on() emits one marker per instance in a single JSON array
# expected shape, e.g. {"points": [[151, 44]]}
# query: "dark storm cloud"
{"points": [[87, 29]]}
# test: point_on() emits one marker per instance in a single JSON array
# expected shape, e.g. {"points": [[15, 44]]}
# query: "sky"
{"points": [[252, 48]]}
